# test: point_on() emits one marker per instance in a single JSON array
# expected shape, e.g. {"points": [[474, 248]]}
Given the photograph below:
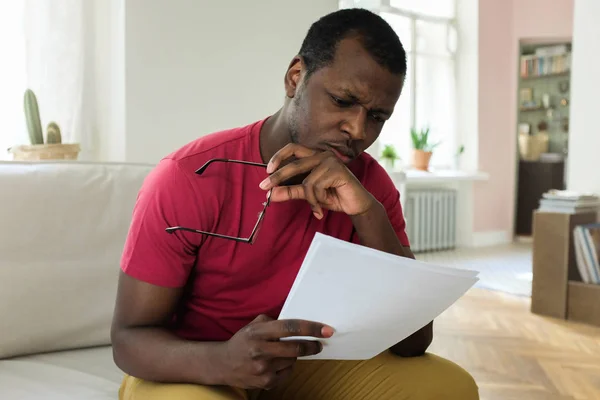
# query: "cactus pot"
{"points": [[37, 152]]}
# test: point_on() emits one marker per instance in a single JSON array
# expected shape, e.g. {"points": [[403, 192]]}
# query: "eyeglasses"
{"points": [[250, 239]]}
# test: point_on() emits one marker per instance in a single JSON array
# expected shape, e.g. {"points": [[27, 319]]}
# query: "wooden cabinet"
{"points": [[534, 179]]}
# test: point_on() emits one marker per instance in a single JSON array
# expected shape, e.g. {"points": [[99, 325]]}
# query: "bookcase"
{"points": [[544, 95], [543, 109], [557, 288]]}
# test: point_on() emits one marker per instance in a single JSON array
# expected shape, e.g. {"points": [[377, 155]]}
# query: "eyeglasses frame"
{"points": [[250, 239]]}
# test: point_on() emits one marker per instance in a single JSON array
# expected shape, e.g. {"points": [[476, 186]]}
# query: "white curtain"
{"points": [[50, 51], [12, 76]]}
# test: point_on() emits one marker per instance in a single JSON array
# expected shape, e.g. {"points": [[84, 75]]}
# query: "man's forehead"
{"points": [[364, 87]]}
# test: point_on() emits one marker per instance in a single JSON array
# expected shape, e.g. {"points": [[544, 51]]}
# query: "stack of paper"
{"points": [[372, 299]]}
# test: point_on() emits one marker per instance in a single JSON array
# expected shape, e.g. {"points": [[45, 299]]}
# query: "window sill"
{"points": [[439, 176]]}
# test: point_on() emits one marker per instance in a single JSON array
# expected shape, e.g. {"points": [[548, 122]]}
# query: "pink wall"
{"points": [[501, 25]]}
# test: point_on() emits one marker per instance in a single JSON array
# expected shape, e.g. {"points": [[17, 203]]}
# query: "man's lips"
{"points": [[340, 153]]}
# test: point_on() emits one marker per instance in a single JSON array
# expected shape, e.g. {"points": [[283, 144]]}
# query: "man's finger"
{"points": [[290, 349], [286, 152], [310, 190], [286, 193], [289, 171], [274, 330]]}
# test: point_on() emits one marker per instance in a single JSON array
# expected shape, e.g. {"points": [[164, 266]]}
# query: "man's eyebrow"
{"points": [[354, 98]]}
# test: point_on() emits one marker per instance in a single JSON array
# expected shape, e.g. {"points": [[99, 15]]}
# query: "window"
{"points": [[428, 32], [12, 77]]}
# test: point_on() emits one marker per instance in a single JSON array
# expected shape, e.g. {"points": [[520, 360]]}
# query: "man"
{"points": [[197, 304]]}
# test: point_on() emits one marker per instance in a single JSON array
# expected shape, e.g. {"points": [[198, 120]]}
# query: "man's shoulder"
{"points": [[176, 170], [226, 143]]}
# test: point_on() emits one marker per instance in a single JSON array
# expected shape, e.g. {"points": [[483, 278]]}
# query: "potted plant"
{"points": [[422, 148], [389, 155], [52, 148]]}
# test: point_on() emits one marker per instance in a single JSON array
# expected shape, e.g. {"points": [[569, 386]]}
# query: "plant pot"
{"points": [[38, 152], [389, 163], [421, 159]]}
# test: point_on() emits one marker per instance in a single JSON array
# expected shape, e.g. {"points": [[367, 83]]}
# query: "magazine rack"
{"points": [[557, 288]]}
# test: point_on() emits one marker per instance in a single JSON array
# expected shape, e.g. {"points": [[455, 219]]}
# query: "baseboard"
{"points": [[492, 238]]}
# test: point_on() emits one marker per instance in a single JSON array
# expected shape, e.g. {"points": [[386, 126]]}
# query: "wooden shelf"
{"points": [[528, 78], [583, 302], [533, 109], [557, 288]]}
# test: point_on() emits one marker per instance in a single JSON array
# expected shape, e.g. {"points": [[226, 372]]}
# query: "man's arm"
{"points": [[144, 348], [254, 357], [375, 230]]}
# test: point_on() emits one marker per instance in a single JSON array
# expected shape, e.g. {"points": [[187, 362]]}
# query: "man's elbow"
{"points": [[119, 348]]}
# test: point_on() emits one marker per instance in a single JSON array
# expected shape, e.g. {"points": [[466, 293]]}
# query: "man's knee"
{"points": [[433, 377], [138, 389], [457, 382]]}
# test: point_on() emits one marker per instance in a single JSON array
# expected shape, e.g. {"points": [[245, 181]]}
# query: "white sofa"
{"points": [[62, 230]]}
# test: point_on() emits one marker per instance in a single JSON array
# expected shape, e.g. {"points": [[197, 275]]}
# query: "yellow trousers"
{"points": [[384, 377]]}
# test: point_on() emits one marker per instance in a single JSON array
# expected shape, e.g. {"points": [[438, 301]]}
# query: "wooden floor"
{"points": [[514, 354]]}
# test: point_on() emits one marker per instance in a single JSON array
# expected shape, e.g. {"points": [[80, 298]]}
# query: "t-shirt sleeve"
{"points": [[151, 254], [383, 188]]}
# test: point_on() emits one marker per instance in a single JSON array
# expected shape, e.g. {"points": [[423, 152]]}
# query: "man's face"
{"points": [[344, 106]]}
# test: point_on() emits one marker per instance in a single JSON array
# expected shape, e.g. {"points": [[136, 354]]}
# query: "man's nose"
{"points": [[356, 123]]}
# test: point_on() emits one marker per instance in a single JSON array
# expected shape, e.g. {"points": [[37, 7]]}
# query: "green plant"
{"points": [[32, 115], [389, 154], [420, 140], [461, 150], [53, 135]]}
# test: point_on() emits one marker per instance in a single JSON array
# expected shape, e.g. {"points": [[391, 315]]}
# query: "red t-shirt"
{"points": [[229, 283]]}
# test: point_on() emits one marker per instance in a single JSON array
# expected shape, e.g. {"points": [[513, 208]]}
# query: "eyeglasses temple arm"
{"points": [[200, 170]]}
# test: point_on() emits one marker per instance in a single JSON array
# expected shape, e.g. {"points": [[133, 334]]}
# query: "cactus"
{"points": [[53, 133], [32, 115]]}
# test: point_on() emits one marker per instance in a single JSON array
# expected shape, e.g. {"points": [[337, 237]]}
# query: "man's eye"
{"points": [[340, 102], [377, 118]]}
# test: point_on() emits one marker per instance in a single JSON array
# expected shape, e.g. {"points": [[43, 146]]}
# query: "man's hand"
{"points": [[330, 184], [255, 358]]}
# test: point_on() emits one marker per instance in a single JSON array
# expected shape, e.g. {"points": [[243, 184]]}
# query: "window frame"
{"points": [[414, 17]]}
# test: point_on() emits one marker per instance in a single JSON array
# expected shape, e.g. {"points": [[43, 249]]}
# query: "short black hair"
{"points": [[377, 36]]}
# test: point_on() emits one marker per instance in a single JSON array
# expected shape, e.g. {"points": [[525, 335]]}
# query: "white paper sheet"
{"points": [[372, 299]]}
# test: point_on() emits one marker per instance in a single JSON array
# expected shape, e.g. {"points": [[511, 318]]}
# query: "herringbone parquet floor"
{"points": [[514, 354]]}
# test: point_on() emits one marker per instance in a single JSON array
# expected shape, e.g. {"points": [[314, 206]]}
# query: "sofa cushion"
{"points": [[79, 374], [63, 227]]}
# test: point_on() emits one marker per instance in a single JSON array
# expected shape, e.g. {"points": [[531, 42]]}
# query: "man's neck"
{"points": [[274, 135]]}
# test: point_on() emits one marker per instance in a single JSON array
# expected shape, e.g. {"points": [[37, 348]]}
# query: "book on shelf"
{"points": [[586, 241], [541, 65]]}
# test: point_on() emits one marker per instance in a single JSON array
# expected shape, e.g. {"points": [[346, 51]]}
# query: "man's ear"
{"points": [[293, 76]]}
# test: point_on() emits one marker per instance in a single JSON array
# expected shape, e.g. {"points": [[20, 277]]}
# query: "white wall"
{"points": [[467, 82], [193, 67], [584, 135], [109, 79]]}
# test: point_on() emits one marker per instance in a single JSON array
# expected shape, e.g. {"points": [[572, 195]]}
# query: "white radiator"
{"points": [[431, 219]]}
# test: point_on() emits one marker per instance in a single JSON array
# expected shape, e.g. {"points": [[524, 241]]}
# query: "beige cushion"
{"points": [[79, 374], [62, 230]]}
